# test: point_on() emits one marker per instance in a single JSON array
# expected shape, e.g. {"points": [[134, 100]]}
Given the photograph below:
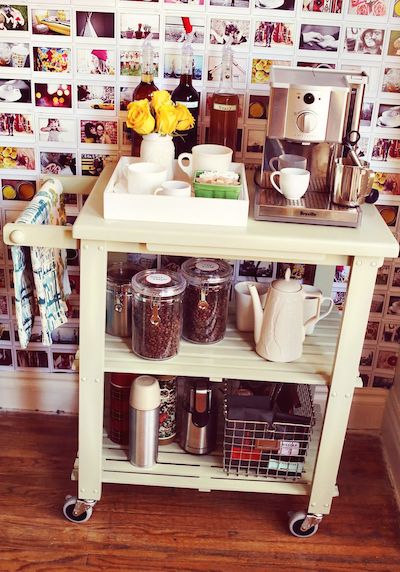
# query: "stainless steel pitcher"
{"points": [[350, 184]]}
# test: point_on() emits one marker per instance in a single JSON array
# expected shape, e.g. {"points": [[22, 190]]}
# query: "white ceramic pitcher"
{"points": [[279, 330]]}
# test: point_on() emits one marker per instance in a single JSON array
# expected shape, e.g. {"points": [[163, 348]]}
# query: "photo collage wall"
{"points": [[67, 74]]}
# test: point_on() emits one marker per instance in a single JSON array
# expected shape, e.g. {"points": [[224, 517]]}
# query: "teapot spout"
{"points": [[258, 312]]}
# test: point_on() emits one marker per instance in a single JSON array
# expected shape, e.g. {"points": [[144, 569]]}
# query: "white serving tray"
{"points": [[121, 205]]}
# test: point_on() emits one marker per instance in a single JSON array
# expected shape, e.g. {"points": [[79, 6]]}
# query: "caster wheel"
{"points": [[295, 522], [68, 511]]}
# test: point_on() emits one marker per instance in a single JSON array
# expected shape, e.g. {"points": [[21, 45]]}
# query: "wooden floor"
{"points": [[144, 528]]}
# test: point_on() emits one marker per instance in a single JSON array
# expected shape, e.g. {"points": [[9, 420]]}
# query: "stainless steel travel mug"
{"points": [[144, 419]]}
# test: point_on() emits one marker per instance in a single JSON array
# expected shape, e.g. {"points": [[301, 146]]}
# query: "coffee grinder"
{"points": [[313, 113]]}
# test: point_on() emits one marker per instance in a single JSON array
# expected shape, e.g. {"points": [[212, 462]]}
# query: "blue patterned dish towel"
{"points": [[41, 271]]}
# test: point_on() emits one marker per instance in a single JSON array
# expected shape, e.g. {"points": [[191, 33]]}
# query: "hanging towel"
{"points": [[41, 269]]}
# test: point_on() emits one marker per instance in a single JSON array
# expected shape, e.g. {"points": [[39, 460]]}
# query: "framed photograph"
{"points": [[32, 359], [51, 22], [17, 189], [18, 126], [17, 158], [319, 37], [257, 270], [135, 26], [366, 114], [95, 62], [57, 163], [371, 333], [62, 361], [258, 107], [393, 48], [65, 335], [396, 277], [287, 5], [320, 65], [56, 130], [389, 213], [214, 69], [381, 381], [53, 95], [261, 68], [387, 359], [303, 272], [96, 96], [388, 116], [73, 308], [92, 164], [14, 91], [52, 60], [368, 41], [184, 4], [386, 150], [274, 35], [125, 97], [239, 5], [175, 32], [391, 333], [14, 55], [5, 333], [339, 299], [255, 140], [341, 274], [36, 335], [391, 81], [4, 307], [367, 357], [126, 135], [98, 132], [235, 31], [394, 306], [382, 277], [372, 9], [131, 64], [326, 7], [172, 65], [13, 18], [2, 281], [364, 378], [92, 25], [387, 183], [6, 358]]}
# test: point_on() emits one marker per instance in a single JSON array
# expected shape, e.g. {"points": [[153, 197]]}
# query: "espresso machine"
{"points": [[315, 113]]}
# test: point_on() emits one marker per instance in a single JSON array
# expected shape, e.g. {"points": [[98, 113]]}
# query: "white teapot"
{"points": [[279, 329]]}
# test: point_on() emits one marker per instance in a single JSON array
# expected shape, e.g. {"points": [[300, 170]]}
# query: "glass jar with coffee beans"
{"points": [[205, 303], [157, 313]]}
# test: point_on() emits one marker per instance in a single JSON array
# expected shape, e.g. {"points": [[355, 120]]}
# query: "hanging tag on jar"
{"points": [[202, 303], [155, 317]]}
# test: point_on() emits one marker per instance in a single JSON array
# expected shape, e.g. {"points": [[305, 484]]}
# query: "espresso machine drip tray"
{"points": [[315, 207]]}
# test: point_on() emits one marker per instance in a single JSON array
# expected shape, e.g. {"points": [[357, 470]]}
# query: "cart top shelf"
{"points": [[258, 240]]}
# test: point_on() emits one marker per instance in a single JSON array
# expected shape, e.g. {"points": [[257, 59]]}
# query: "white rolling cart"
{"points": [[330, 358]]}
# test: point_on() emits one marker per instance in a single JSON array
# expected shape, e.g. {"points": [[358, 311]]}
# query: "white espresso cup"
{"points": [[311, 306], [293, 182], [244, 304], [174, 189], [287, 160], [206, 157], [144, 178]]}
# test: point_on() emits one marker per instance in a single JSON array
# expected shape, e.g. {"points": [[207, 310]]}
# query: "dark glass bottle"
{"points": [[144, 89], [186, 94], [224, 111]]}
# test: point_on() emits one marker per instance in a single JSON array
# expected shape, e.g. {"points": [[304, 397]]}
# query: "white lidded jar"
{"points": [[144, 420]]}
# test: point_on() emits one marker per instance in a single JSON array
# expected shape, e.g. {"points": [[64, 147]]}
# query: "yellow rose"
{"points": [[139, 117], [185, 118], [159, 98], [167, 119]]}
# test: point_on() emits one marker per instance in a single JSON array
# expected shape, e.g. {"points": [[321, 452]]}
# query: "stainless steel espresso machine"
{"points": [[315, 114]]}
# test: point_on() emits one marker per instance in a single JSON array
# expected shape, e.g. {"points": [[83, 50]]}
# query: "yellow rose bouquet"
{"points": [[159, 115]]}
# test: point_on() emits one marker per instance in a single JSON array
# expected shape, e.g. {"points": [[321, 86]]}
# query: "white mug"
{"points": [[174, 189], [244, 304], [206, 157], [293, 182], [288, 160], [144, 178], [311, 307]]}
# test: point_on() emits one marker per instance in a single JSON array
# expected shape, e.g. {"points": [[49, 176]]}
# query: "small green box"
{"points": [[213, 191]]}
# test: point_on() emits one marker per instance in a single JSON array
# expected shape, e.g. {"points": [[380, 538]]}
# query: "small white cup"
{"points": [[144, 178], [293, 182], [206, 157], [244, 304], [311, 307], [174, 189], [287, 160]]}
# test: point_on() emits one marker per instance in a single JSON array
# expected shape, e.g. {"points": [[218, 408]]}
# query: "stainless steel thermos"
{"points": [[144, 419]]}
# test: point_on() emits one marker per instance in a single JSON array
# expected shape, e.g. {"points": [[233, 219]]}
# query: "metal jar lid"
{"points": [[207, 270], [158, 283], [121, 273]]}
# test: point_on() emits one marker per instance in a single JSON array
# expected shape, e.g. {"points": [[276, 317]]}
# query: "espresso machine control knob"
{"points": [[306, 121]]}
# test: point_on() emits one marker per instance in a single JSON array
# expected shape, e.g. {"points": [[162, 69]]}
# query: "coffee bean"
{"points": [[205, 323]]}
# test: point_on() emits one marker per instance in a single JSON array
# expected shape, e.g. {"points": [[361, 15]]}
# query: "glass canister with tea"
{"points": [[157, 313], [205, 304]]}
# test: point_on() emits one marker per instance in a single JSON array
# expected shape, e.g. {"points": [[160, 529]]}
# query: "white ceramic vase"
{"points": [[157, 148]]}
